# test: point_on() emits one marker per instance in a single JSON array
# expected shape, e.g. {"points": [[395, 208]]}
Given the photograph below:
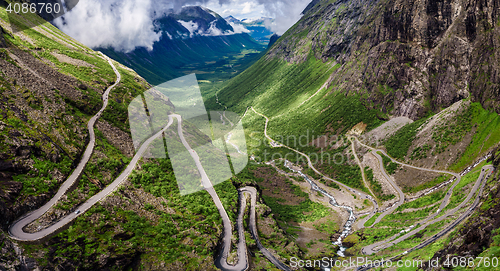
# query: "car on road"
{"points": [[77, 212]]}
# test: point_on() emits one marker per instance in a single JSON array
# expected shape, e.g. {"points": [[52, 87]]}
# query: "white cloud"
{"points": [[248, 8], [128, 24], [123, 25], [238, 8], [238, 28], [285, 12]]}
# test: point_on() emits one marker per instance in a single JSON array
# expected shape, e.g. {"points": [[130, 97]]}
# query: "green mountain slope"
{"points": [[51, 85], [193, 40], [212, 58], [424, 69], [347, 62]]}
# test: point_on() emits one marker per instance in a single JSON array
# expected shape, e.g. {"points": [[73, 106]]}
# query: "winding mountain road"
{"points": [[16, 229], [401, 195], [253, 227], [354, 191], [221, 260], [17, 233], [486, 172], [372, 248], [353, 148], [444, 202], [310, 164]]}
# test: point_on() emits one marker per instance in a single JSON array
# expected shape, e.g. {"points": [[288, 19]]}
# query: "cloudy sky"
{"points": [[127, 24], [285, 12], [240, 9]]}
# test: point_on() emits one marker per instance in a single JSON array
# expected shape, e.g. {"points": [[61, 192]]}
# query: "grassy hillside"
{"points": [[211, 58], [322, 77], [51, 85], [466, 135], [280, 90]]}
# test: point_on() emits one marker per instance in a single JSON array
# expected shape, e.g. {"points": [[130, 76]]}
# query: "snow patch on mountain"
{"points": [[191, 26]]}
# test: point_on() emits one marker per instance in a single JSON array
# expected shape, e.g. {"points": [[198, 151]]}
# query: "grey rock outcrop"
{"points": [[409, 57]]}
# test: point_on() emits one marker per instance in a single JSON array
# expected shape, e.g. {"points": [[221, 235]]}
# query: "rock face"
{"points": [[193, 21], [273, 40], [409, 57], [3, 44]]}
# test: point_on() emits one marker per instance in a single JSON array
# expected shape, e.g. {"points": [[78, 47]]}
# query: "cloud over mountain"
{"points": [[127, 24]]}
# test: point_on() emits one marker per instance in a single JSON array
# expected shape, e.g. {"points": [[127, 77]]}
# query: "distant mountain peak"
{"points": [[193, 21], [232, 19], [197, 12]]}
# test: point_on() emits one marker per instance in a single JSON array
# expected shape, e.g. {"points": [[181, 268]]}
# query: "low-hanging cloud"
{"points": [[123, 25], [285, 13], [127, 24]]}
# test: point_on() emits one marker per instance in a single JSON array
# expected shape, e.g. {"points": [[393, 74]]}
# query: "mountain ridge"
{"points": [[192, 21], [398, 72], [193, 39]]}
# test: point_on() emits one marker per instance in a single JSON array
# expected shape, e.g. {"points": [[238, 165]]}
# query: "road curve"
{"points": [[401, 195], [486, 169], [370, 249], [354, 191], [407, 165], [394, 185], [353, 148], [16, 229], [221, 260], [253, 227], [310, 164], [444, 202]]}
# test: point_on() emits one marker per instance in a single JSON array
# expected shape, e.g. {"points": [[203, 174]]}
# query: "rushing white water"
{"points": [[232, 144], [333, 202]]}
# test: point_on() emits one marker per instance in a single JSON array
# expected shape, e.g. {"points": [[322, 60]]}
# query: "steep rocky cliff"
{"points": [[405, 57]]}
